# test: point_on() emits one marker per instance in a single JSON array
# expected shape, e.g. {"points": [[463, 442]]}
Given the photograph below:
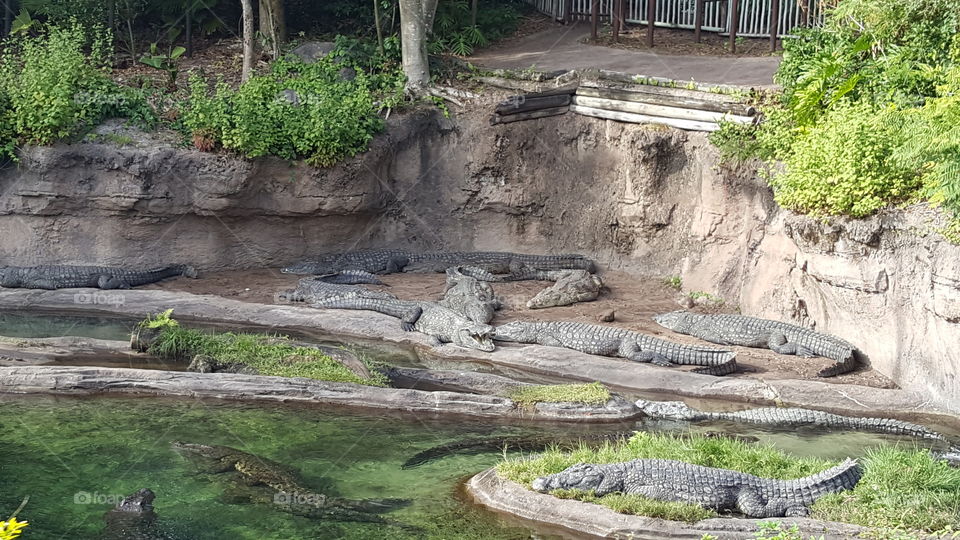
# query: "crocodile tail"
{"points": [[846, 364], [723, 368], [842, 477]]}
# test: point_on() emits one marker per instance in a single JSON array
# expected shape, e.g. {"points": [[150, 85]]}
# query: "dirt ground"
{"points": [[634, 301], [669, 41]]}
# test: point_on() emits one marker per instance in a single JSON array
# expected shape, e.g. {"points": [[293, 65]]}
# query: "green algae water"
{"points": [[26, 325], [75, 457]]}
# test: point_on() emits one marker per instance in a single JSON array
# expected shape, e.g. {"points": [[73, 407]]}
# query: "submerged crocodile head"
{"points": [[582, 476], [678, 321], [207, 451], [139, 502], [477, 336], [674, 410], [516, 331]]}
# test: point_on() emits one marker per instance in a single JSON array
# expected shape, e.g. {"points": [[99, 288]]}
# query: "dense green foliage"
{"points": [[901, 489], [589, 394], [268, 355], [869, 111], [56, 85], [296, 111]]}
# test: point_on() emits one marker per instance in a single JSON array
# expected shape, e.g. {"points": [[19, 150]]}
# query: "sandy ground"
{"points": [[634, 300]]}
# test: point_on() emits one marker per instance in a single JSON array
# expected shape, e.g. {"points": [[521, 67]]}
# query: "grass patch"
{"points": [[589, 394], [639, 505], [674, 282], [901, 490], [269, 355]]}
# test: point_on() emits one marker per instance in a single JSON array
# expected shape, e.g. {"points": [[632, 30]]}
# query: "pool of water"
{"points": [[66, 452], [29, 325]]}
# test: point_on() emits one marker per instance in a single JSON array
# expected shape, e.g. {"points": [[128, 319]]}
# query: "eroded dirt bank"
{"points": [[642, 200]]}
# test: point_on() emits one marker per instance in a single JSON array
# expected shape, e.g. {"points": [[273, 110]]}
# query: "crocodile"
{"points": [[571, 287], [779, 337], [442, 324], [316, 288], [612, 341], [288, 494], [388, 261], [712, 488], [795, 417], [469, 296], [133, 518], [102, 277]]}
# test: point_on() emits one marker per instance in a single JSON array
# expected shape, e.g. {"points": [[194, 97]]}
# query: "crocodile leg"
{"points": [[410, 319], [631, 351], [111, 282], [778, 343], [749, 503]]}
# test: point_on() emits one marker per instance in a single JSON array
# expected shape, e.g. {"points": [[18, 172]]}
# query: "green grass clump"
{"points": [[589, 394], [901, 489], [639, 505], [268, 355]]}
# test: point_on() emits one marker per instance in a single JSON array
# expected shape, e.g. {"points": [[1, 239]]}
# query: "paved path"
{"points": [[560, 48]]}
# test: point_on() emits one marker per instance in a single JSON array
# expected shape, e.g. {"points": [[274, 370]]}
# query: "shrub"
{"points": [[296, 111], [56, 85], [844, 165]]}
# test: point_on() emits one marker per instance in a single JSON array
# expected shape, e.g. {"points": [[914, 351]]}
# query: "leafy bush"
{"points": [[844, 165], [296, 111], [869, 113], [454, 32], [56, 85]]}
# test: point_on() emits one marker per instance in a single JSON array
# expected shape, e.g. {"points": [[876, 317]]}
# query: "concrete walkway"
{"points": [[560, 48]]}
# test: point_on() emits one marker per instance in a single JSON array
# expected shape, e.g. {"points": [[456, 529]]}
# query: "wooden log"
{"points": [[531, 87], [564, 89], [689, 125], [532, 115], [518, 104], [624, 81], [670, 101], [659, 110]]}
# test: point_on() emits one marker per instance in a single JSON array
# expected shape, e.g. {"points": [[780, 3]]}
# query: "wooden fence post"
{"points": [[615, 19], [698, 16], [734, 24], [651, 20], [594, 16], [568, 12], [774, 23]]}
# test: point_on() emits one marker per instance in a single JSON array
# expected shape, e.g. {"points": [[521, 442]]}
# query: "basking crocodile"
{"points": [[611, 341], [103, 277], [469, 296], [316, 288], [717, 489], [387, 261], [442, 324], [794, 417], [571, 287], [779, 337], [286, 491]]}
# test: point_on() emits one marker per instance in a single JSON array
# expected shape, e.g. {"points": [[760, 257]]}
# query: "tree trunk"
{"points": [[376, 21], [473, 13], [248, 48], [416, 23], [273, 25]]}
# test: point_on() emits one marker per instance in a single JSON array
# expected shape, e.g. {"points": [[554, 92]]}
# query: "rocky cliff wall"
{"points": [[648, 200]]}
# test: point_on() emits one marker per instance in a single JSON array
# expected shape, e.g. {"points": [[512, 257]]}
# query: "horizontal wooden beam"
{"points": [[670, 101], [531, 115], [518, 104], [659, 110], [689, 125]]}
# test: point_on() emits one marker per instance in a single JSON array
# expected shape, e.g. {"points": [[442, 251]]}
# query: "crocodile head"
{"points": [[674, 410], [303, 267], [476, 336], [516, 331], [581, 476], [678, 321], [139, 502], [207, 451]]}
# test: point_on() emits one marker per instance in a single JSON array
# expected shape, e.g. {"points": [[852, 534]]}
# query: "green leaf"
{"points": [[22, 23], [177, 52]]}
